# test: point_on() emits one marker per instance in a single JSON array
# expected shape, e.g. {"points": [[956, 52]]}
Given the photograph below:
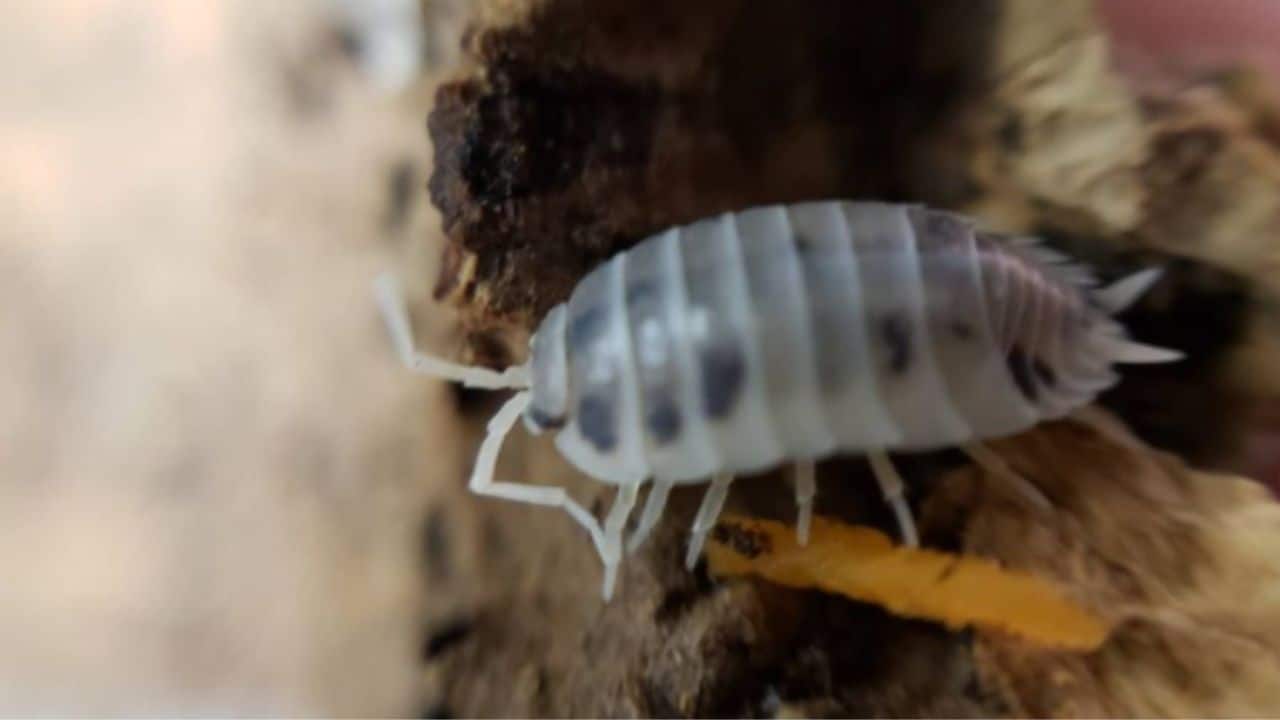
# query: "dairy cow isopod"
{"points": [[785, 334]]}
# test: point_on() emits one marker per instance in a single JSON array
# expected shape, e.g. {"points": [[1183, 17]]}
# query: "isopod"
{"points": [[786, 334]]}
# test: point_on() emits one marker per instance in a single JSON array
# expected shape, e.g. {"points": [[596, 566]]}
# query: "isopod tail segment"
{"points": [[1110, 339], [1110, 344], [1119, 295], [395, 314]]}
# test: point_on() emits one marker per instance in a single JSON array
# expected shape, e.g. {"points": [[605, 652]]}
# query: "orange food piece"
{"points": [[863, 564]]}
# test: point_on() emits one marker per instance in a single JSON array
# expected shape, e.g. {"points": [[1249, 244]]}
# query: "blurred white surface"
{"points": [[389, 36], [210, 491]]}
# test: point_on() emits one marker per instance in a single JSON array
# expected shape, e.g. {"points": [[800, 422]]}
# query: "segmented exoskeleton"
{"points": [[788, 333]]}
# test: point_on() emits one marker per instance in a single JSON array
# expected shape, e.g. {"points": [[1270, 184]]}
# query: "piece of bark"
{"points": [[1213, 179], [585, 126], [1183, 562], [1215, 187], [1063, 140]]}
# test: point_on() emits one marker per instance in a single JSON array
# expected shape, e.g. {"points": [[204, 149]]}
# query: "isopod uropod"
{"points": [[790, 333]]}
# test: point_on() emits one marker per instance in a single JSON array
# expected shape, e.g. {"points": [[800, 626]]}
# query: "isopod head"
{"points": [[549, 389]]}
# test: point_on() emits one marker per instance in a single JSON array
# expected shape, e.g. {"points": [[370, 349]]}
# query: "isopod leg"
{"points": [[893, 489], [712, 504], [623, 502], [806, 488], [482, 476], [988, 460], [653, 507]]}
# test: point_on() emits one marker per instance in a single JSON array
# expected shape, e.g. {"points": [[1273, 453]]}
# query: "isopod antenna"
{"points": [[395, 312], [391, 302]]}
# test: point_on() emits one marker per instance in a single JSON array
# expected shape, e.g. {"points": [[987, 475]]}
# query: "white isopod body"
{"points": [[788, 333]]}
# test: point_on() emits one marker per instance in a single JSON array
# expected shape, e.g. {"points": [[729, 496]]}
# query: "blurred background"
{"points": [[212, 489], [217, 487]]}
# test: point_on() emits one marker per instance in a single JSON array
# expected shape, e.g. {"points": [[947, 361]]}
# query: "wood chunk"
{"points": [[1184, 563]]}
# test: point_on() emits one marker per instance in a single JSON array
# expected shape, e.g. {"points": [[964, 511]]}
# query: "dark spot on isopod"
{"points": [[803, 243], [961, 330], [546, 420], [943, 225], [896, 334], [936, 228], [585, 326], [597, 419], [1044, 372], [723, 372], [662, 417], [1021, 371], [641, 293]]}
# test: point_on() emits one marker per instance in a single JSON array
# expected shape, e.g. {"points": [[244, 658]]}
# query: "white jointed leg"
{"points": [[653, 507], [893, 489], [396, 315], [616, 521], [712, 504], [988, 460], [806, 488], [482, 477]]}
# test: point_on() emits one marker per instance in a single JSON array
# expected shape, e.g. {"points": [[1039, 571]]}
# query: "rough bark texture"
{"points": [[575, 128], [1182, 562], [594, 123]]}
